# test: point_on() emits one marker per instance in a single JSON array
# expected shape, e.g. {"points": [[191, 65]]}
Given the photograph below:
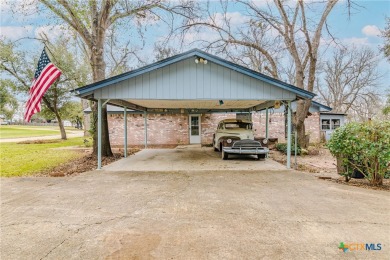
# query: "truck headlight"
{"points": [[229, 141]]}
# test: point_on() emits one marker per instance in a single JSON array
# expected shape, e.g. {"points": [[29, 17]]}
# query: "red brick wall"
{"points": [[275, 125], [173, 129], [162, 129], [312, 127]]}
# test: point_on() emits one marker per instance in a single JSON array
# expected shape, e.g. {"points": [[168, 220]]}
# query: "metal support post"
{"points": [[266, 123], [125, 118], [99, 134], [295, 149], [289, 134], [146, 129]]}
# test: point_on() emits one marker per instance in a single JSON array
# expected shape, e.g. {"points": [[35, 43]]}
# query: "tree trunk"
{"points": [[377, 179], [106, 146], [61, 125], [299, 121], [53, 108], [98, 70], [86, 118]]}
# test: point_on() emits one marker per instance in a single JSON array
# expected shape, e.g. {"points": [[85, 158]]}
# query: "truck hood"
{"points": [[242, 133]]}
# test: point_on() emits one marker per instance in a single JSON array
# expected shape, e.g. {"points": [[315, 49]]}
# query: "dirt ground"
{"points": [[324, 165], [323, 162], [83, 163]]}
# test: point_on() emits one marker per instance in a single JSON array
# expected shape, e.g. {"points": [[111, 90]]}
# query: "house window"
{"points": [[335, 123], [325, 124]]}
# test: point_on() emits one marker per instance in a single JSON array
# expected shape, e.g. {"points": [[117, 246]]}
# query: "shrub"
{"points": [[283, 148], [362, 147], [88, 142]]}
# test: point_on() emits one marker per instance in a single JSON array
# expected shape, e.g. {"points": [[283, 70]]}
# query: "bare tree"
{"points": [[120, 53], [350, 76], [162, 51], [366, 107], [94, 19], [248, 44], [386, 36], [274, 31]]}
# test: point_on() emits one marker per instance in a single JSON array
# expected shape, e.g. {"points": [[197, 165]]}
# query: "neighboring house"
{"points": [[330, 122], [173, 129], [3, 120], [315, 123], [67, 123]]}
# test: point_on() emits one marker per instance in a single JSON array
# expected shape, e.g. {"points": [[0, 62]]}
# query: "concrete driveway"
{"points": [[190, 158], [191, 214]]}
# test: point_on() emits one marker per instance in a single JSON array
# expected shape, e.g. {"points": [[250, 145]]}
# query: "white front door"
{"points": [[194, 129]]}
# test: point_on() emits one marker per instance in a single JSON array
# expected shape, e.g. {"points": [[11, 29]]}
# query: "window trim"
{"points": [[328, 124]]}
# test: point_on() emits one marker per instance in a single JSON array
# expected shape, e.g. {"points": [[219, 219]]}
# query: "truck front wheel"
{"points": [[225, 155]]}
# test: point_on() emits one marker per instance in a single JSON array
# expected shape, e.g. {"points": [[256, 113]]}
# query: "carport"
{"points": [[192, 83]]}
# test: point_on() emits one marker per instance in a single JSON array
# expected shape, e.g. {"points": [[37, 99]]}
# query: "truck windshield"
{"points": [[235, 125]]}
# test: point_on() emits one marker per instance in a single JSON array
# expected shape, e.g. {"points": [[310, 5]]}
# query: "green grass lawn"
{"points": [[19, 131], [26, 159]]}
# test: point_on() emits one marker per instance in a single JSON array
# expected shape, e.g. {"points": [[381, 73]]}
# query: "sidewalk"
{"points": [[46, 137]]}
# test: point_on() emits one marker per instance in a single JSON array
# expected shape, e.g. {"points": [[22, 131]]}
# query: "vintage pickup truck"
{"points": [[234, 136]]}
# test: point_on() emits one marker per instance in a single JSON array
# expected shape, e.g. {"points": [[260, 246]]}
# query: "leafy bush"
{"points": [[362, 147], [283, 148], [88, 142]]}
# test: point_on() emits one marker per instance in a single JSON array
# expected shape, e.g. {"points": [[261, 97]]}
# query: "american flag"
{"points": [[44, 77]]}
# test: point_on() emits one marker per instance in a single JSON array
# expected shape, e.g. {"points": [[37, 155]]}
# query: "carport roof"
{"points": [[324, 107], [88, 89]]}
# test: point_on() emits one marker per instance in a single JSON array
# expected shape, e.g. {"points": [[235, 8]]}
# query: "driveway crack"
{"points": [[54, 248]]}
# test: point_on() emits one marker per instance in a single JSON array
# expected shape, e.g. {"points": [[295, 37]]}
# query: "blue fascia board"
{"points": [[192, 53], [321, 106]]}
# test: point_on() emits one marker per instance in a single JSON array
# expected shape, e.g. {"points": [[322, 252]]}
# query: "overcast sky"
{"points": [[361, 29]]}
